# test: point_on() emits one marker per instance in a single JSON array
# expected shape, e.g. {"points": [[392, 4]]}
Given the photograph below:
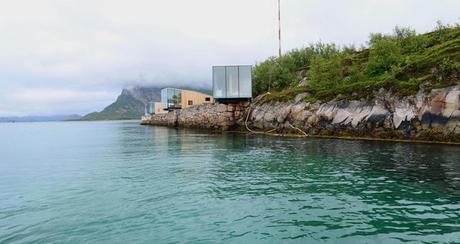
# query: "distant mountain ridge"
{"points": [[130, 104], [67, 117]]}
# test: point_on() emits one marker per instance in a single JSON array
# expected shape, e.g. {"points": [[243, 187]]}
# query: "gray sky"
{"points": [[74, 56]]}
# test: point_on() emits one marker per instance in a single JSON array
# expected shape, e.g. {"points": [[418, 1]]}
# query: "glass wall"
{"points": [[171, 98], [151, 107], [219, 81], [232, 81], [164, 97], [245, 80]]}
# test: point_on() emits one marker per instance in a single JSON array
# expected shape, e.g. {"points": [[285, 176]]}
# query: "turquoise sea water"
{"points": [[119, 182]]}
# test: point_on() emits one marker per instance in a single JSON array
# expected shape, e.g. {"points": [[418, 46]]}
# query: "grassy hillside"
{"points": [[402, 62]]}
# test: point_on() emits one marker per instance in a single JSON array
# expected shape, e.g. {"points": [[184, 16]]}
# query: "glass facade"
{"points": [[245, 81], [170, 98], [151, 107], [232, 82], [218, 81]]}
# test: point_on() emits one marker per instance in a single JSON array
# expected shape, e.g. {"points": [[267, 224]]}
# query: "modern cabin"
{"points": [[232, 83], [173, 98]]}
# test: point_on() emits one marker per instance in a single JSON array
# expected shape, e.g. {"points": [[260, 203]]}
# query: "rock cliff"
{"points": [[425, 116], [433, 116]]}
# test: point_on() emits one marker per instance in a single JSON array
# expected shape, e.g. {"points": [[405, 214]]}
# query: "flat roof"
{"points": [[207, 94]]}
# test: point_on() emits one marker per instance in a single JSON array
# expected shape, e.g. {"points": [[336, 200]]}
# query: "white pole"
{"points": [[279, 27]]}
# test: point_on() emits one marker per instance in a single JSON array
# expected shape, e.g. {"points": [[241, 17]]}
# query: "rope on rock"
{"points": [[269, 131], [301, 131], [247, 127], [257, 132]]}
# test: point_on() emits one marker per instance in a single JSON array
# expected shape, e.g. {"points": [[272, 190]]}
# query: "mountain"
{"points": [[41, 118], [130, 104]]}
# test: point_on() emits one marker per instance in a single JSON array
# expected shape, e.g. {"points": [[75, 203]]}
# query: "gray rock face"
{"points": [[301, 97], [303, 82], [426, 116], [413, 117], [205, 116]]}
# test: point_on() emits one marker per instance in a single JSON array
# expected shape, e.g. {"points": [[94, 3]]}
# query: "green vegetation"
{"points": [[402, 62]]}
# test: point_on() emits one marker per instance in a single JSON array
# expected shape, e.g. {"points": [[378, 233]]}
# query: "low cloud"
{"points": [[54, 101], [75, 56], [56, 95]]}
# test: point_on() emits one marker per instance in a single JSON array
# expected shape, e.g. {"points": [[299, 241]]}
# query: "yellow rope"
{"points": [[269, 131], [301, 131]]}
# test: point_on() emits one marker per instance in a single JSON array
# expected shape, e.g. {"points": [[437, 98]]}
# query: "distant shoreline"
{"points": [[47, 121]]}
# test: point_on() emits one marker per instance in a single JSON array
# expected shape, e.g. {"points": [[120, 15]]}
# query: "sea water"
{"points": [[120, 182]]}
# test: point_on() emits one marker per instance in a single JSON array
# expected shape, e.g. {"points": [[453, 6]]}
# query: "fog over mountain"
{"points": [[75, 57]]}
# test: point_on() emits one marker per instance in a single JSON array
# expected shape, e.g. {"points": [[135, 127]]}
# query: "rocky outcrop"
{"points": [[433, 116], [205, 116]]}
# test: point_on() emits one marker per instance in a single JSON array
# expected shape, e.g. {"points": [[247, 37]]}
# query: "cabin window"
{"points": [[232, 81], [219, 82], [207, 99], [190, 102], [171, 98], [244, 77]]}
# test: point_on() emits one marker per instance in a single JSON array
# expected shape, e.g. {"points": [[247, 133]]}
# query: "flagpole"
{"points": [[279, 28]]}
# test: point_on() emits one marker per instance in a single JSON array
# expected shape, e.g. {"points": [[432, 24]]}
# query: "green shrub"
{"points": [[447, 69], [277, 73], [384, 53], [325, 71], [402, 61]]}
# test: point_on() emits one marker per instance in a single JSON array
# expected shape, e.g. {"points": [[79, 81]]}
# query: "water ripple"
{"points": [[120, 182]]}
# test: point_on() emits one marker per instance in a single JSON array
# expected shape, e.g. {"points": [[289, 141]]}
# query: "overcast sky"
{"points": [[63, 56]]}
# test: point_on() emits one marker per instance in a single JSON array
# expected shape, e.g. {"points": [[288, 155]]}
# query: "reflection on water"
{"points": [[101, 182], [343, 189], [438, 165]]}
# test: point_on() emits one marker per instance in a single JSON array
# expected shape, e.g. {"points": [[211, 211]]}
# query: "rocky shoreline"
{"points": [[433, 116], [205, 116]]}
